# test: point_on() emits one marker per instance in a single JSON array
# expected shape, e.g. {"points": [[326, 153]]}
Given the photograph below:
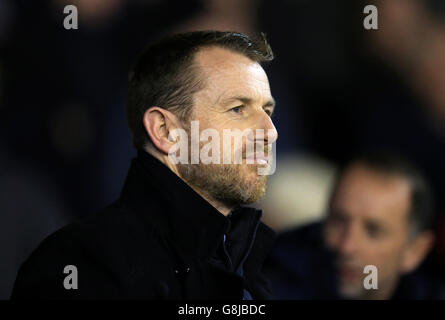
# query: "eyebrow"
{"points": [[246, 100]]}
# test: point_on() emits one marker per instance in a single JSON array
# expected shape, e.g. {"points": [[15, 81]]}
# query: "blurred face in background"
{"points": [[412, 41], [368, 225]]}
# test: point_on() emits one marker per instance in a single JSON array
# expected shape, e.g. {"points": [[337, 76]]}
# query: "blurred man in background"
{"points": [[380, 214], [406, 112]]}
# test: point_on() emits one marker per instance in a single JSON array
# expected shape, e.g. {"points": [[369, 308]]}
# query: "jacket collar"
{"points": [[192, 223]]}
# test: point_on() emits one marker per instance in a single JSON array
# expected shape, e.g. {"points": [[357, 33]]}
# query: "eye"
{"points": [[268, 111], [237, 109], [373, 230]]}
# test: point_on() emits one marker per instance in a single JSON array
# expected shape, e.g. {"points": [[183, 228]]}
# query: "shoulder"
{"points": [[309, 235], [106, 251]]}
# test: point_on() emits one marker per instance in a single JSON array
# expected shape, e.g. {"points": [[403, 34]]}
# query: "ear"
{"points": [[158, 123], [416, 251]]}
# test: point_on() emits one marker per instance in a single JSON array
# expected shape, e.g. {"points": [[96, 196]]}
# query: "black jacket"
{"points": [[160, 240]]}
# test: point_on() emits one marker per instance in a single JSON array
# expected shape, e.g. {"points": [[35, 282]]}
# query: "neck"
{"points": [[221, 206]]}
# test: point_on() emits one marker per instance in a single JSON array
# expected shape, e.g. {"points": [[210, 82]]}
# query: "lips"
{"points": [[349, 274], [259, 158]]}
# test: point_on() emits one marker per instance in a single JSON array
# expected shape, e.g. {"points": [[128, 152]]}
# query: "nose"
{"points": [[270, 130], [267, 131], [349, 241]]}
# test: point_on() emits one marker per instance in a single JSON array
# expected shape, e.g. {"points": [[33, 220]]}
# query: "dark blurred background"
{"points": [[340, 89]]}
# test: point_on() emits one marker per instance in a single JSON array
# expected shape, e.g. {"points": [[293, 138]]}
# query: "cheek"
{"points": [[388, 268], [332, 236], [386, 256]]}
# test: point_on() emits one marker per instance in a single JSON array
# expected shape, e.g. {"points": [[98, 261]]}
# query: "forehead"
{"points": [[365, 193], [228, 73]]}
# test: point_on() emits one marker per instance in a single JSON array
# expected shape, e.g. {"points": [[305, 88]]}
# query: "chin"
{"points": [[256, 187], [352, 291]]}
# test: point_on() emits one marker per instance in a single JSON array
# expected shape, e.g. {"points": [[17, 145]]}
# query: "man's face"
{"points": [[236, 96], [368, 225]]}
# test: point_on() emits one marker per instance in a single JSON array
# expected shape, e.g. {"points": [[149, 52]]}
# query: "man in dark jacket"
{"points": [[180, 229]]}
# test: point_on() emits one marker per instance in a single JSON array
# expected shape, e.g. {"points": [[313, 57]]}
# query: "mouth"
{"points": [[257, 158], [349, 273]]}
